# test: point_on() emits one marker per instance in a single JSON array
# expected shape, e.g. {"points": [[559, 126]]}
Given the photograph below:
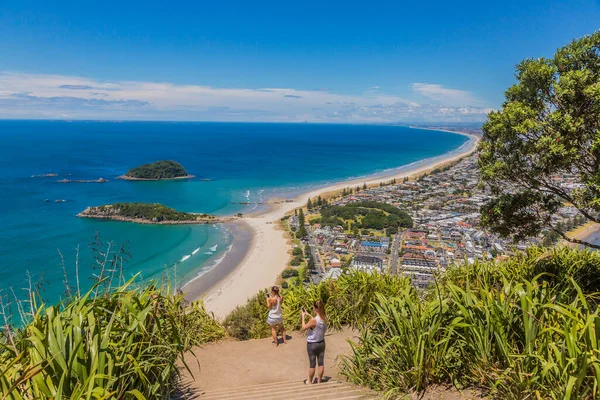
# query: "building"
{"points": [[367, 263]]}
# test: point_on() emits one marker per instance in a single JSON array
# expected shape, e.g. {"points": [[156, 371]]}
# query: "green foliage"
{"points": [[249, 321], [548, 127], [296, 251], [297, 260], [158, 170], [301, 232], [146, 211], [366, 215], [500, 327], [120, 344], [347, 300], [289, 273]]}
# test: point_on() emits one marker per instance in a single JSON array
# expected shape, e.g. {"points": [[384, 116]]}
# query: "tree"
{"points": [[301, 217], [311, 263], [364, 186], [307, 252], [548, 127], [309, 204]]}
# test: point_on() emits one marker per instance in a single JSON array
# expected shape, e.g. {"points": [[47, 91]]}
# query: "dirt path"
{"points": [[233, 363], [230, 365]]}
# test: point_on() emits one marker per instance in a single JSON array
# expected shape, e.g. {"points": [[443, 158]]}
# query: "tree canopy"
{"points": [[541, 150], [367, 215]]}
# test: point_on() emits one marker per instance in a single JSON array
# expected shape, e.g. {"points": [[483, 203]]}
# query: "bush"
{"points": [[284, 285], [120, 344], [297, 251], [497, 326], [347, 301], [297, 260], [249, 321], [288, 273]]}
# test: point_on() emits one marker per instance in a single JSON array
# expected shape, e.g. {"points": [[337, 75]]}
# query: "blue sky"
{"points": [[274, 61]]}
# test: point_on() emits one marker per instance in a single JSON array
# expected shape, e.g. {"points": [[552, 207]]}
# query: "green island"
{"points": [[159, 170], [146, 213]]}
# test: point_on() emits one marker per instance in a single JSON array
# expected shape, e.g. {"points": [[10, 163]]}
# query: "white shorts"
{"points": [[274, 321]]}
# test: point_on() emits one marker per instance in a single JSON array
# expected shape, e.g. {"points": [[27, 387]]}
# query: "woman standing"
{"points": [[275, 319], [315, 340]]}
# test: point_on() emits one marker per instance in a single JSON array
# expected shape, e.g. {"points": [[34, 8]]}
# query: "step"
{"points": [[252, 387], [283, 391], [259, 389], [290, 390]]}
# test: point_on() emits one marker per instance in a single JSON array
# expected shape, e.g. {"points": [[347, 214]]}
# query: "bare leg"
{"points": [[274, 333], [283, 335], [321, 372], [311, 375]]}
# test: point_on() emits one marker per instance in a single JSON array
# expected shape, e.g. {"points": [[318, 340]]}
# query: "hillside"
{"points": [[160, 170]]}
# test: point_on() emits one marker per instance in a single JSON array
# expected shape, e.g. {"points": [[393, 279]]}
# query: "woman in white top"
{"points": [[275, 319], [315, 340]]}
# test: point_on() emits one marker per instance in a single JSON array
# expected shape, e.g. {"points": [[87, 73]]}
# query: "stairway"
{"points": [[291, 390]]}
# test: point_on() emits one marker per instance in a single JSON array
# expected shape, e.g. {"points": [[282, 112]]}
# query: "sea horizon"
{"points": [[179, 252]]}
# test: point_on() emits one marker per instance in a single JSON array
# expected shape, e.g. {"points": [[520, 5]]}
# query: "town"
{"points": [[416, 228]]}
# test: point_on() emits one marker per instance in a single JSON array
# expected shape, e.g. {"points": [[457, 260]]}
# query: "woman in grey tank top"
{"points": [[315, 340]]}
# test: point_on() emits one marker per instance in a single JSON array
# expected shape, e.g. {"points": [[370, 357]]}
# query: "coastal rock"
{"points": [[144, 213]]}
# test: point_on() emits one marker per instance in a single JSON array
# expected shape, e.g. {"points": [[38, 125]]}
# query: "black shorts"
{"points": [[316, 351]]}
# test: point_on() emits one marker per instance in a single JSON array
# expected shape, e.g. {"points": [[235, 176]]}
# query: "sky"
{"points": [[317, 61]]}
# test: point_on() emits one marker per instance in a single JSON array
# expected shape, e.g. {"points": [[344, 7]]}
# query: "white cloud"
{"points": [[444, 95], [55, 96]]}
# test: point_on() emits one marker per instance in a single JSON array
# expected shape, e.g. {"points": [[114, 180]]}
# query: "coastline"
{"points": [[589, 232], [234, 257], [267, 252]]}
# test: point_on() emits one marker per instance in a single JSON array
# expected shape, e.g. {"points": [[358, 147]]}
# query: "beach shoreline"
{"points": [[268, 252]]}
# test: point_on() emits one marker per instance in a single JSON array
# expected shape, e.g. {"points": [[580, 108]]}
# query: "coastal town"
{"points": [[444, 207]]}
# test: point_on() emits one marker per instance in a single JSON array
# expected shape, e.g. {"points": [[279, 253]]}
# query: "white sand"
{"points": [[268, 255]]}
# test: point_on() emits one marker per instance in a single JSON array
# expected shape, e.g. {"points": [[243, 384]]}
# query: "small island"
{"points": [[157, 171], [145, 213]]}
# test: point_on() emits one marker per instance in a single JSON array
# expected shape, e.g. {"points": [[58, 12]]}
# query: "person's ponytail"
{"points": [[320, 307]]}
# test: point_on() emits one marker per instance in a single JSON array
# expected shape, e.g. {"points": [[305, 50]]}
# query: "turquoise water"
{"points": [[232, 162]]}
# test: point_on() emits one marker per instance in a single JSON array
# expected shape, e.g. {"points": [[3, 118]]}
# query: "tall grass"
{"points": [[122, 344], [511, 329]]}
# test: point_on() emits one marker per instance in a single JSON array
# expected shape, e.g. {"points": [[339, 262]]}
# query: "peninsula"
{"points": [[157, 171], [145, 213]]}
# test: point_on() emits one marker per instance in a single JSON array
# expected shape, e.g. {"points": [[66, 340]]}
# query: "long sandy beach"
{"points": [[260, 251]]}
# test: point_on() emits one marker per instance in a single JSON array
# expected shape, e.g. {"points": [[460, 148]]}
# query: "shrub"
{"points": [[297, 260], [297, 251], [492, 325], [347, 302], [289, 273], [120, 344], [249, 321]]}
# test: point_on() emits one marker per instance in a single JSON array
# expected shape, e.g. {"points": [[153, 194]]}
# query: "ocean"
{"points": [[232, 163]]}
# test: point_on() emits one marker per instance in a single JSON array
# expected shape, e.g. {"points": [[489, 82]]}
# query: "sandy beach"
{"points": [[589, 232], [267, 252]]}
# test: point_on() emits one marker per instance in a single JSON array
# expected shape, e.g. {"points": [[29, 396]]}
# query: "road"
{"points": [[314, 250], [394, 258]]}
